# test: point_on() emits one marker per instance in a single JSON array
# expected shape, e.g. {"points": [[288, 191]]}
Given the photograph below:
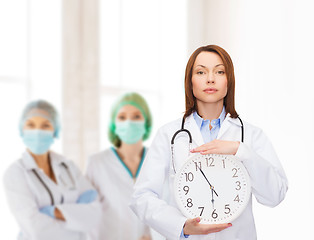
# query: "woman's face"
{"points": [[209, 79], [38, 123], [129, 112]]}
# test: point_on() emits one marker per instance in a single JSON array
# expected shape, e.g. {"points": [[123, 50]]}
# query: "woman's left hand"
{"points": [[218, 147]]}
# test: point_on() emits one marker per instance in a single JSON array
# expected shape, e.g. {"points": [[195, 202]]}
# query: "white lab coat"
{"points": [[269, 183], [26, 195], [115, 187]]}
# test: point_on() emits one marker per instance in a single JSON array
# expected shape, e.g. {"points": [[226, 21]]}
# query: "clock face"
{"points": [[214, 187]]}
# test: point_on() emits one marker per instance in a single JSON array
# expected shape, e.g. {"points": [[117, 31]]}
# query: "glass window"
{"points": [[30, 61], [143, 49]]}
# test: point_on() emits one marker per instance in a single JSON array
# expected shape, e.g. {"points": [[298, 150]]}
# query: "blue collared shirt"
{"points": [[209, 134]]}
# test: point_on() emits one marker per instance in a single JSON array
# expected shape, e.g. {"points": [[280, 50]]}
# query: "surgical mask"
{"points": [[38, 141], [130, 132]]}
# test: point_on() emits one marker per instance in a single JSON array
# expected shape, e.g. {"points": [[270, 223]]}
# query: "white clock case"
{"points": [[229, 157]]}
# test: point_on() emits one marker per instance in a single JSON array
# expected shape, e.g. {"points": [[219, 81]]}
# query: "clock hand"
{"points": [[211, 187], [213, 198]]}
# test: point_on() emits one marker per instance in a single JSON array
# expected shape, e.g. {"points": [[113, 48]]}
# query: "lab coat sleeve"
{"points": [[90, 173], [146, 200], [23, 205], [268, 179], [81, 217]]}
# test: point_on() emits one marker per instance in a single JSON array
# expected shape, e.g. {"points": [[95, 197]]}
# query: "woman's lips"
{"points": [[210, 90]]}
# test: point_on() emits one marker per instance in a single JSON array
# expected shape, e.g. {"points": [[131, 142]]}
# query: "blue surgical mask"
{"points": [[130, 132], [38, 141]]}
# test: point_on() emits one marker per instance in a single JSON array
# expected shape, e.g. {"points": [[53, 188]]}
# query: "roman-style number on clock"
{"points": [[235, 172], [227, 209], [202, 209], [210, 162], [223, 164], [238, 185], [189, 202], [189, 177], [214, 214], [198, 165], [237, 199], [186, 189]]}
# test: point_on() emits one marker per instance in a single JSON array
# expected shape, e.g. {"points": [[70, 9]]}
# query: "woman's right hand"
{"points": [[87, 196], [145, 237], [193, 227]]}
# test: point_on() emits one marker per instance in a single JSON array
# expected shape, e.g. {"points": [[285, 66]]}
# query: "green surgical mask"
{"points": [[130, 132]]}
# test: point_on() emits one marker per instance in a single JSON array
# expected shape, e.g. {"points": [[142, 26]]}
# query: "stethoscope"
{"points": [[190, 139], [47, 188]]}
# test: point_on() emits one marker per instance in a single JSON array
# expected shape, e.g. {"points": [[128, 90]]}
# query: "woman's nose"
{"points": [[211, 78]]}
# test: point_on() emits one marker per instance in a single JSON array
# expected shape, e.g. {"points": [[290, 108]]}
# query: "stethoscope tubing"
{"points": [[46, 186], [190, 138]]}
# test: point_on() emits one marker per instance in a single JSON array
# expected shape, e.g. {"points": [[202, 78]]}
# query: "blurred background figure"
{"points": [[114, 171], [47, 194]]}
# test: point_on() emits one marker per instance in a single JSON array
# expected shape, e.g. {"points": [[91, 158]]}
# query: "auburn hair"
{"points": [[190, 100]]}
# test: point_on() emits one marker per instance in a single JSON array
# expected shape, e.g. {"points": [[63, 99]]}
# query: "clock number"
{"points": [[235, 172], [186, 189], [211, 160], [198, 165], [189, 177], [228, 210], [223, 164], [201, 210], [189, 203], [237, 199], [214, 214], [238, 185]]}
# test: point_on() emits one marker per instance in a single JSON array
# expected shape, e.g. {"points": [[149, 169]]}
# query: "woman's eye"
{"points": [[220, 72], [121, 118], [46, 126], [200, 72], [137, 117], [30, 125]]}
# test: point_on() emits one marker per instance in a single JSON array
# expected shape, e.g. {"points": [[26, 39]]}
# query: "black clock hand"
{"points": [[211, 187], [213, 198]]}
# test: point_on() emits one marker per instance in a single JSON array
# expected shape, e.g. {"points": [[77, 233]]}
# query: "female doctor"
{"points": [[211, 118], [114, 170], [46, 193]]}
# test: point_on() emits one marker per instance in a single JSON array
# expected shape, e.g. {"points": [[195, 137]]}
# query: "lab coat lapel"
{"points": [[197, 138], [224, 127], [28, 161], [226, 124]]}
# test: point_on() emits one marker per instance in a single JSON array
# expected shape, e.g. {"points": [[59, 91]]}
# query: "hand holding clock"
{"points": [[193, 227], [218, 147]]}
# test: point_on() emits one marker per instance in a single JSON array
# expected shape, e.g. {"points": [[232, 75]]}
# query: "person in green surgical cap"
{"points": [[114, 171]]}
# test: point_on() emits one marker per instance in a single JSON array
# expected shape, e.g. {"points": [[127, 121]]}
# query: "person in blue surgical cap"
{"points": [[47, 194], [114, 170]]}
